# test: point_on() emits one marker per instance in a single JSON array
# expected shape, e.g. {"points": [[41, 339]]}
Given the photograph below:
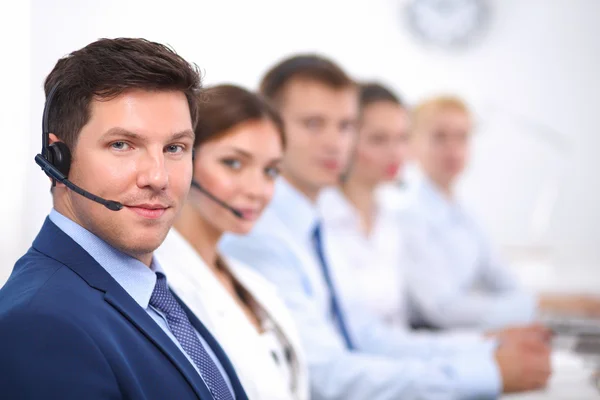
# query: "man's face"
{"points": [[442, 145], [135, 149], [320, 124]]}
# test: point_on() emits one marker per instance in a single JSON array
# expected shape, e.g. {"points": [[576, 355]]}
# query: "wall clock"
{"points": [[447, 23]]}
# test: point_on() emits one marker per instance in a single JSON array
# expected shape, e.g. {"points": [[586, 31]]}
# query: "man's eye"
{"points": [[121, 146], [175, 148]]}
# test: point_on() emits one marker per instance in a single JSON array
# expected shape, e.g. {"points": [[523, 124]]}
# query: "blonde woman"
{"points": [[458, 278]]}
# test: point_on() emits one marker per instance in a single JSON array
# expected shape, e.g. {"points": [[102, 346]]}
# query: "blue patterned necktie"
{"points": [[163, 300], [336, 309]]}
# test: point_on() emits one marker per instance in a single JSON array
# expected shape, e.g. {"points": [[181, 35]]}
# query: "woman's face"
{"points": [[442, 145], [382, 144], [239, 168]]}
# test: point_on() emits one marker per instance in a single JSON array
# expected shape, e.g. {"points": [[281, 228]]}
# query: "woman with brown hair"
{"points": [[238, 146]]}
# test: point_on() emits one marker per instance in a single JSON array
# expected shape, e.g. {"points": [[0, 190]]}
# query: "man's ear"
{"points": [[52, 138]]}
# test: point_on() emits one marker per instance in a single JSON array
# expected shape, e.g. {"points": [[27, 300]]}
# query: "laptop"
{"points": [[578, 334]]}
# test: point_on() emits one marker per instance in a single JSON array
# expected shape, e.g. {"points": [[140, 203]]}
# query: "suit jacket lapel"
{"points": [[56, 244], [240, 394], [138, 317]]}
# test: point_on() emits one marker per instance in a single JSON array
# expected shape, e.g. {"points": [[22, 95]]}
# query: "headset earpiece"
{"points": [[55, 161], [59, 155]]}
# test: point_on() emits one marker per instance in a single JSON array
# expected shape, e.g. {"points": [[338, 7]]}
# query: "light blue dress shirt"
{"points": [[133, 275], [455, 277], [385, 365]]}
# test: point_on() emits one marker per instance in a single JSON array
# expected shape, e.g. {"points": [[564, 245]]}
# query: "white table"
{"points": [[571, 378]]}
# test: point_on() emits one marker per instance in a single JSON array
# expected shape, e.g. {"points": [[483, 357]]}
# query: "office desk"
{"points": [[571, 378]]}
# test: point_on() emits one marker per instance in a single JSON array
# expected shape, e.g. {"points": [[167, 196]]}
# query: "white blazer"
{"points": [[193, 281]]}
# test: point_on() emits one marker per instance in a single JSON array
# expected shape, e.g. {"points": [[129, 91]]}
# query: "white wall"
{"points": [[14, 128], [539, 58]]}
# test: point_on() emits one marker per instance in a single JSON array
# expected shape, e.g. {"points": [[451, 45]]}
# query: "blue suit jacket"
{"points": [[68, 330]]}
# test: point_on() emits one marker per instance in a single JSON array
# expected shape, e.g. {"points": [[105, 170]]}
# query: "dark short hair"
{"points": [[305, 66], [373, 92], [224, 107], [107, 68]]}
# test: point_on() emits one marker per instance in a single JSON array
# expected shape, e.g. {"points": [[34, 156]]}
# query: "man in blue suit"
{"points": [[87, 312]]}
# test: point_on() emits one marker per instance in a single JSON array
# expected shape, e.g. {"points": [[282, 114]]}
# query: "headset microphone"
{"points": [[220, 202], [55, 161], [55, 174]]}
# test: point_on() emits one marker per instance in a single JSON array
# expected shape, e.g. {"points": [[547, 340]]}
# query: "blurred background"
{"points": [[528, 68]]}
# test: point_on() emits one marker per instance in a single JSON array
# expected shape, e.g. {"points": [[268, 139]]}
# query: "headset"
{"points": [[214, 198], [55, 160], [220, 202]]}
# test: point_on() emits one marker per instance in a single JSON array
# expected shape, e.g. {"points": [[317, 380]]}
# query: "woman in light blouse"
{"points": [[404, 260], [238, 147], [361, 226]]}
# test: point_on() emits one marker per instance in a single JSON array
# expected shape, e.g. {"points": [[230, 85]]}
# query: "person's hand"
{"points": [[579, 305], [517, 333], [523, 364]]}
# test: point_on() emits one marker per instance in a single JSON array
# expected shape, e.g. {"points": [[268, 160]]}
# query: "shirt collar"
{"points": [[133, 275], [296, 211], [336, 208], [438, 205]]}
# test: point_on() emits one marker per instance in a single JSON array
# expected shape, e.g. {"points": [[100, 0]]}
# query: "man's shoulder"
{"points": [[268, 233], [269, 224], [269, 245], [49, 324], [31, 273], [40, 285]]}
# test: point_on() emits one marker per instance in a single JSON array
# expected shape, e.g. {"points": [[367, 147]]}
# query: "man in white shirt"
{"points": [[456, 279], [350, 355]]}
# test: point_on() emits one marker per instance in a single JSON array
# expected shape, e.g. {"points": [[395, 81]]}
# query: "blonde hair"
{"points": [[427, 109]]}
